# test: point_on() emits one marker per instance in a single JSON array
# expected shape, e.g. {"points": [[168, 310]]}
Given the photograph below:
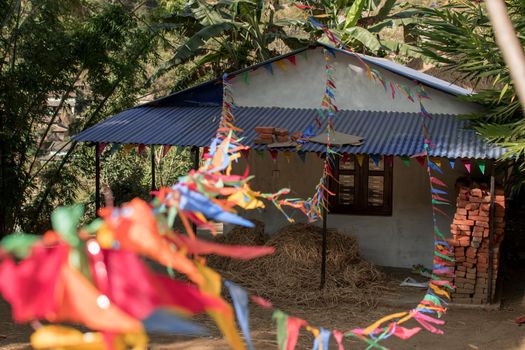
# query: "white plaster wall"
{"points": [[400, 240], [302, 86]]}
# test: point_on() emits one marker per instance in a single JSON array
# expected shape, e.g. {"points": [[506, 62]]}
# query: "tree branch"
{"points": [[509, 44]]}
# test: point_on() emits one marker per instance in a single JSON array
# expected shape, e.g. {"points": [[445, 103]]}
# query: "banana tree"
{"points": [[227, 34], [361, 24]]}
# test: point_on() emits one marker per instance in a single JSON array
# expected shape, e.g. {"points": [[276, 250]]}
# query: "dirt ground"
{"points": [[464, 328]]}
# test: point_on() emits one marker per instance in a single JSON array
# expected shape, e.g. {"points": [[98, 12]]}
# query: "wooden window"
{"points": [[362, 189]]}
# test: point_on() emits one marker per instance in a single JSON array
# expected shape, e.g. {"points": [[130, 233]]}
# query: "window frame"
{"points": [[361, 179]]}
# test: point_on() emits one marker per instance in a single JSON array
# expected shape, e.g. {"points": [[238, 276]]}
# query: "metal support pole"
{"points": [[490, 286], [97, 179], [195, 156], [323, 252], [153, 186]]}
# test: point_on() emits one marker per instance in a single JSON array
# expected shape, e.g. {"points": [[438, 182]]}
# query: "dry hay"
{"points": [[291, 276]]}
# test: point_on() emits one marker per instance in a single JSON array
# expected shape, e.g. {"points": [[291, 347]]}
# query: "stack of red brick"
{"points": [[470, 231]]}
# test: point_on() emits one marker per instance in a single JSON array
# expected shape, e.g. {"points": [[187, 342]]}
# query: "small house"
{"points": [[382, 193]]}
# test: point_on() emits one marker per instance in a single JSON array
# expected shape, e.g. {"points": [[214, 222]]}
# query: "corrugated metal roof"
{"points": [[387, 133], [413, 74]]}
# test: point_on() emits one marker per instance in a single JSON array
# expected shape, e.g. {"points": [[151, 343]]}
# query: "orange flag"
{"points": [[80, 302], [136, 230]]}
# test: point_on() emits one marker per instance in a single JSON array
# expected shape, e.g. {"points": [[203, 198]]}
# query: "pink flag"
{"points": [[338, 336], [467, 164], [437, 181], [293, 325]]}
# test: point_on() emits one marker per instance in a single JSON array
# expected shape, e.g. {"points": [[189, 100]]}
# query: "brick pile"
{"points": [[470, 241], [268, 135]]}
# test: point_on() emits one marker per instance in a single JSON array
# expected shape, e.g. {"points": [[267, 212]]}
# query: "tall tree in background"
{"points": [[91, 50], [459, 36], [228, 35]]}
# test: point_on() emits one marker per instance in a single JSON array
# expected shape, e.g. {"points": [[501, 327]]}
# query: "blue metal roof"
{"points": [[386, 133]]}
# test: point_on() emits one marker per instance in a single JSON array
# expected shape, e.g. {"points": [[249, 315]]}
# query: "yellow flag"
{"points": [[128, 148], [281, 65], [360, 158], [288, 156], [67, 338], [436, 161]]}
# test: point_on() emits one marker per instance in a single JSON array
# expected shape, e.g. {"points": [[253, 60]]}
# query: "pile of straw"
{"points": [[291, 276]]}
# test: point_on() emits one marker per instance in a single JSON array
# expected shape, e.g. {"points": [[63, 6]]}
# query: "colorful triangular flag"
{"points": [[421, 160], [141, 148], [376, 158], [281, 319], [323, 340], [302, 155], [260, 153], [245, 77], [481, 165], [281, 65], [467, 164], [128, 148], [246, 153], [269, 68], [436, 161], [114, 148], [331, 51], [240, 303], [292, 59], [100, 147], [406, 160], [288, 156], [452, 163], [165, 150], [274, 154], [304, 54], [360, 158]]}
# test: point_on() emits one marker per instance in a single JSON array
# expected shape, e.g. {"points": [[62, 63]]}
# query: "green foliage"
{"points": [[362, 24], [228, 35], [225, 35], [128, 175], [92, 50], [19, 244], [459, 36], [65, 221]]}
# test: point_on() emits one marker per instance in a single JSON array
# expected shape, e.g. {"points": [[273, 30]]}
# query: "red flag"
{"points": [[292, 59], [100, 147], [124, 270], [201, 247], [274, 155], [421, 161], [30, 286], [165, 150]]}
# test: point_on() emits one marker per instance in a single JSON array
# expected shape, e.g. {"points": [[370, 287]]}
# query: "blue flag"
{"points": [[240, 303]]}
